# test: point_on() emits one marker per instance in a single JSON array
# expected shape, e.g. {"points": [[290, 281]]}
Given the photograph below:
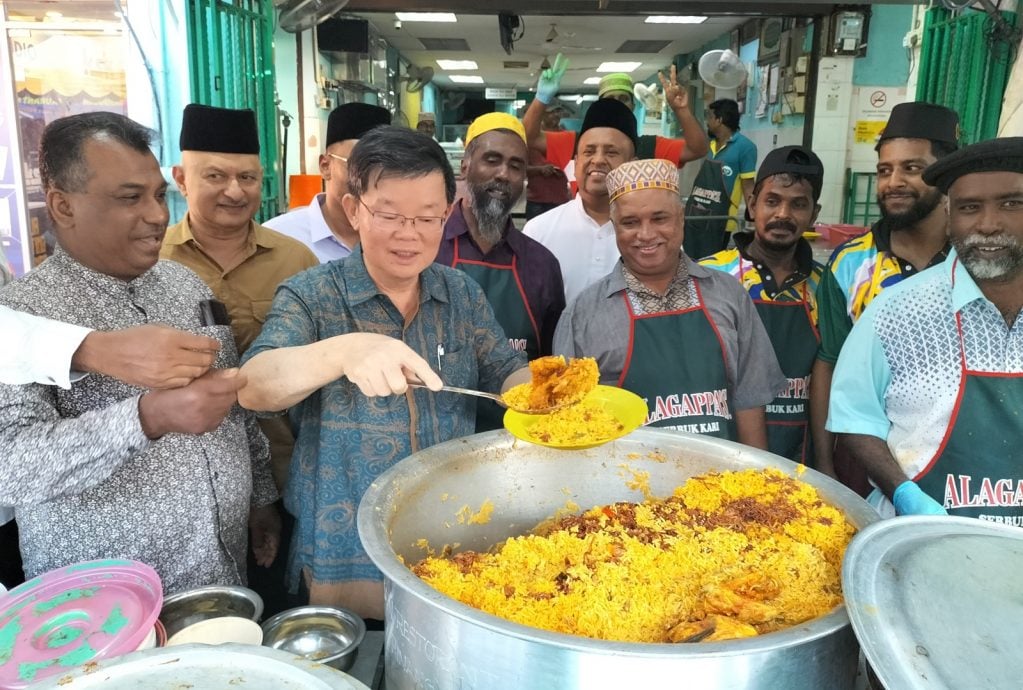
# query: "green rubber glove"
{"points": [[909, 499], [550, 80]]}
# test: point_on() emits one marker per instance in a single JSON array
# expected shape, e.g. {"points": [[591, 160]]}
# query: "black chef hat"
{"points": [[921, 121], [792, 159], [993, 155], [607, 112], [352, 120], [218, 130]]}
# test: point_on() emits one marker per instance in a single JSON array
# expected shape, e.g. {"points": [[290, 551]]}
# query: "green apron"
{"points": [[709, 197], [503, 289], [676, 361], [795, 340], [976, 470]]}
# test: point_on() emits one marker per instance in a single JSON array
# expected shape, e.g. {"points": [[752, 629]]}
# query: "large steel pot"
{"points": [[434, 642]]}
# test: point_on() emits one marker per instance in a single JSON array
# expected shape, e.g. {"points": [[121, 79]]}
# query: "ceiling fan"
{"points": [[299, 15]]}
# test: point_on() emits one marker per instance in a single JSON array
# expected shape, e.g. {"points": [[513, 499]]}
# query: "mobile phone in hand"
{"points": [[213, 313]]}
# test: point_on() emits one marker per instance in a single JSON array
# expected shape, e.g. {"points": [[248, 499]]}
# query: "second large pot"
{"points": [[434, 642]]}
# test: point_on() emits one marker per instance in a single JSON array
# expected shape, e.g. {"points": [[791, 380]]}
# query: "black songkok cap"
{"points": [[352, 120], [218, 130], [993, 155], [793, 159], [607, 112], [921, 121]]}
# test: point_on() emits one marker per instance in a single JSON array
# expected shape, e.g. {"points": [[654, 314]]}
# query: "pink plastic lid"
{"points": [[71, 616]]}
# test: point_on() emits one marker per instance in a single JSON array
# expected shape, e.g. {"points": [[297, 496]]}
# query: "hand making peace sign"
{"points": [[674, 95]]}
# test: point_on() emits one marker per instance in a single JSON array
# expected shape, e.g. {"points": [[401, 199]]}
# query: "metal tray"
{"points": [[936, 602], [205, 666]]}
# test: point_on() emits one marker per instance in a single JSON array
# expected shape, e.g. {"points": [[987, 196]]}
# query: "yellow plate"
{"points": [[627, 407], [812, 235]]}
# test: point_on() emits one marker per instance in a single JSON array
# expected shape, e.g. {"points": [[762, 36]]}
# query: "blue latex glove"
{"points": [[909, 499], [550, 80]]}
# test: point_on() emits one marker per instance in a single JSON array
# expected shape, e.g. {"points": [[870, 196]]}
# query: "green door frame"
{"points": [[231, 65]]}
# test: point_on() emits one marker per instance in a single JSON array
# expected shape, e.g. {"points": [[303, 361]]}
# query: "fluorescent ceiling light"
{"points": [[618, 66], [426, 16], [667, 19], [466, 78], [457, 64], [591, 80]]}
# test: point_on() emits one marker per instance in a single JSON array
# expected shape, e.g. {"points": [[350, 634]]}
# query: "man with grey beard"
{"points": [[521, 277], [929, 385]]}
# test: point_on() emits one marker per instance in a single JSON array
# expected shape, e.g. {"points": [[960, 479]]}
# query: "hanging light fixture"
{"points": [[545, 63], [552, 34]]}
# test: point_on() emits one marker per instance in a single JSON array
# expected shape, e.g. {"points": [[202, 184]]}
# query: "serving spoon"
{"points": [[496, 398]]}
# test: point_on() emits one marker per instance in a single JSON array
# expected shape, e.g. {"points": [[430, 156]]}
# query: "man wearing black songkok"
{"points": [[909, 237], [579, 232], [242, 262], [323, 225]]}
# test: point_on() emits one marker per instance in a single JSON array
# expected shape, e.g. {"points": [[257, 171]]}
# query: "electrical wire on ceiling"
{"points": [[1002, 38]]}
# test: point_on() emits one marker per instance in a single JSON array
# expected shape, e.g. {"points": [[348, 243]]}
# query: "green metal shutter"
{"points": [[230, 64], [964, 68]]}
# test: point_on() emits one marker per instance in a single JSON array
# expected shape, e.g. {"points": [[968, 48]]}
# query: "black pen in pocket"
{"points": [[440, 353]]}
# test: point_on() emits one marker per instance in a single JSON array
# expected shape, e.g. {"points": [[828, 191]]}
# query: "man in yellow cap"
{"points": [[520, 277], [558, 147], [682, 336]]}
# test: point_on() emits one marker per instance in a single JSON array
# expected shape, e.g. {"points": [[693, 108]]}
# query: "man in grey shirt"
{"points": [[104, 469], [685, 338]]}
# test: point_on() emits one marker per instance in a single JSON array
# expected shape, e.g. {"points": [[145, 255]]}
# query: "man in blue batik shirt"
{"points": [[343, 340]]}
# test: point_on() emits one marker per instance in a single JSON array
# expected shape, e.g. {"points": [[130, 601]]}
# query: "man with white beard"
{"points": [[929, 385], [520, 277]]}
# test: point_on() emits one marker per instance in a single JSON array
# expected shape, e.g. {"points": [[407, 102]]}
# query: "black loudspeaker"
{"points": [[343, 35]]}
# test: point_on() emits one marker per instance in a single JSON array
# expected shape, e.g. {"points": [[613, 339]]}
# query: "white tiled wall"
{"points": [[831, 131]]}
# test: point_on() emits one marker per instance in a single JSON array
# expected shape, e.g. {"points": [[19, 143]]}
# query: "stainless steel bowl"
{"points": [[436, 642], [194, 605], [325, 634]]}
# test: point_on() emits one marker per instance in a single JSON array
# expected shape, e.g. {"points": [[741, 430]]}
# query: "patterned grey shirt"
{"points": [[85, 481], [597, 325]]}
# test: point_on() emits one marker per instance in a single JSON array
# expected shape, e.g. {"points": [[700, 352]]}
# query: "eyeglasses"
{"points": [[396, 221], [340, 158]]}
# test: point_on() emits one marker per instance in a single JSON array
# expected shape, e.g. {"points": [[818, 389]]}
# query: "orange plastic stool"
{"points": [[302, 189]]}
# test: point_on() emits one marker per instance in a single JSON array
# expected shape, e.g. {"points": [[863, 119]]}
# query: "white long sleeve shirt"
{"points": [[34, 349]]}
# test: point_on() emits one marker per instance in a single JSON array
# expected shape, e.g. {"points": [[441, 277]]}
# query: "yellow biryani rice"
{"points": [[728, 555], [583, 423]]}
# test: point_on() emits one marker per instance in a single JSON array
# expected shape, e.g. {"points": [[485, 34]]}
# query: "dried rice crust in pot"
{"points": [[728, 555]]}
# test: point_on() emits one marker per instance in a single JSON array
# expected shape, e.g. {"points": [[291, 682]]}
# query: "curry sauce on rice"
{"points": [[555, 382], [728, 555]]}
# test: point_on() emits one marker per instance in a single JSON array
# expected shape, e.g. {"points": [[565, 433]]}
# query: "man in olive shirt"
{"points": [[242, 262], [221, 177]]}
